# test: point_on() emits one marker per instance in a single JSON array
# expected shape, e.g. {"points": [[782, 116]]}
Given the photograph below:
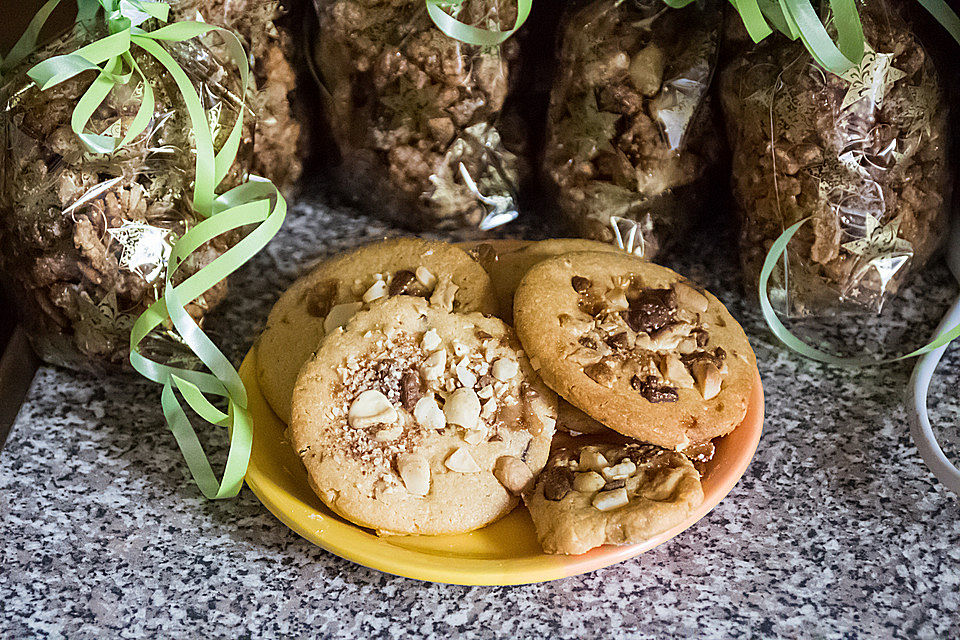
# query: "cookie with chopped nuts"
{"points": [[636, 347], [594, 492], [416, 420], [332, 292], [508, 268]]}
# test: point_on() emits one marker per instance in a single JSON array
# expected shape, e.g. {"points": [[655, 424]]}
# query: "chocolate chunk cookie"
{"points": [[332, 292], [416, 420], [636, 347], [593, 493]]}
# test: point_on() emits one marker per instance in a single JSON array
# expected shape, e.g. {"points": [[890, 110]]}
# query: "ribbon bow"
{"points": [[255, 202]]}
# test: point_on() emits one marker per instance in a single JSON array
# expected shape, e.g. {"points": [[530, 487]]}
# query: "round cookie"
{"points": [[636, 347], [594, 492], [340, 286], [415, 420], [509, 267]]}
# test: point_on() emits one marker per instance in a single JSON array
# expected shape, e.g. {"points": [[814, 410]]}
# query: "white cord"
{"points": [[920, 427]]}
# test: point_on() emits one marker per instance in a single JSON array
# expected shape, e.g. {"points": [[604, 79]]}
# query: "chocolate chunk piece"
{"points": [[619, 341], [642, 455], [320, 298], [702, 337], [591, 304], [405, 283], [716, 357], [601, 373], [589, 342], [557, 483], [580, 284], [652, 309], [654, 390], [411, 389]]}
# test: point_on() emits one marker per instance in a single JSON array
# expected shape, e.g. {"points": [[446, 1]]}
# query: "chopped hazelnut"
{"points": [[505, 369], [591, 458], [461, 461], [708, 378], [428, 414], [426, 278], [513, 473], [434, 366], [624, 469], [376, 291], [415, 473], [371, 407], [690, 298], [462, 408], [610, 500], [588, 482], [431, 340]]}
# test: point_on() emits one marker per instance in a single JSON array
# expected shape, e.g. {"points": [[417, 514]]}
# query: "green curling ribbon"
{"points": [[470, 34], [776, 252], [257, 202], [798, 19]]}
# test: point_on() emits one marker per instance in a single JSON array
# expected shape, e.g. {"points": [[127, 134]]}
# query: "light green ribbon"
{"points": [[792, 341], [793, 18], [470, 34], [255, 202]]}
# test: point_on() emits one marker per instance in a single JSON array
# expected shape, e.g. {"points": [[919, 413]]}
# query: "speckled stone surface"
{"points": [[837, 530]]}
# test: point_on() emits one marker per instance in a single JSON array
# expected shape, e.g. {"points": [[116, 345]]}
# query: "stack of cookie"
{"points": [[641, 356], [416, 410]]}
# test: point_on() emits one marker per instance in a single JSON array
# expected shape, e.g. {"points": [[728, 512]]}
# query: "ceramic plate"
{"points": [[503, 553]]}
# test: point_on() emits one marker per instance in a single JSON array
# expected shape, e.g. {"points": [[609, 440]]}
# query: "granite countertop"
{"points": [[837, 529]]}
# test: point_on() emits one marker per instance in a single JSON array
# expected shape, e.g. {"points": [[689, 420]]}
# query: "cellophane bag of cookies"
{"points": [[84, 236], [416, 115], [630, 125], [863, 154], [282, 135]]}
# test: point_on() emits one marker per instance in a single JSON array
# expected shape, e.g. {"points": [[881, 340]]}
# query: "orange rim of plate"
{"points": [[503, 553]]}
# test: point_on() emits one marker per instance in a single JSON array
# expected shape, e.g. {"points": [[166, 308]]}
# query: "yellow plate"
{"points": [[505, 552]]}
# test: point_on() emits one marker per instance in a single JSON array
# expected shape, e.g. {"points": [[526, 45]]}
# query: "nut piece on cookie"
{"points": [[462, 408], [461, 461], [414, 471], [371, 407], [514, 474], [399, 438], [428, 413], [635, 347], [626, 494]]}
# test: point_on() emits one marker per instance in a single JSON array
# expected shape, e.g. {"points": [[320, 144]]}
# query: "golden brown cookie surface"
{"points": [[635, 347], [509, 267], [416, 420], [333, 291], [573, 420], [593, 493]]}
